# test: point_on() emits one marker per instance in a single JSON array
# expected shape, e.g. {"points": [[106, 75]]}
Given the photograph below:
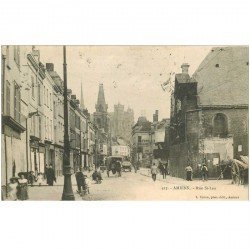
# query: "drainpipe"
{"points": [[27, 146], [3, 110]]}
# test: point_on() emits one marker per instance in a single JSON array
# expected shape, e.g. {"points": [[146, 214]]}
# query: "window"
{"points": [[54, 109], [77, 120], [34, 125], [50, 99], [139, 139], [217, 65], [33, 86], [220, 125], [17, 55], [46, 131], [7, 98], [51, 131], [44, 94], [17, 103], [39, 93], [40, 127]]}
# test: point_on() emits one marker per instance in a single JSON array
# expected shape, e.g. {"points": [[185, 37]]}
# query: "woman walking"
{"points": [[22, 189], [154, 171]]}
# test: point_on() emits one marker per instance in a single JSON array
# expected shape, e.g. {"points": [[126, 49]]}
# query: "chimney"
{"points": [[185, 67], [50, 66], [36, 54]]}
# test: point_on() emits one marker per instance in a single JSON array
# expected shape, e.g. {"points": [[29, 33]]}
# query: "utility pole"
{"points": [[67, 188]]}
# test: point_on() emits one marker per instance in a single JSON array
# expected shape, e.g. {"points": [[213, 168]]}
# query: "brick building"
{"points": [[209, 112]]}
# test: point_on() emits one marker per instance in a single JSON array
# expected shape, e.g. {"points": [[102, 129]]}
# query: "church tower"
{"points": [[101, 113]]}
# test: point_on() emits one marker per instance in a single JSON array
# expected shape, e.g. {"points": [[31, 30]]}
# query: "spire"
{"points": [[82, 101], [101, 104]]}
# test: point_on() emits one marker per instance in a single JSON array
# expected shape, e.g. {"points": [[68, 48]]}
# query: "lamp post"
{"points": [[67, 188]]}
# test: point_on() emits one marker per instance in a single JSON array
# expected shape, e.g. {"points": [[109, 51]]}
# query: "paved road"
{"points": [[139, 186]]}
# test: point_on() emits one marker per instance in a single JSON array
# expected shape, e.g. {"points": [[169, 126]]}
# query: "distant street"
{"points": [[139, 186]]}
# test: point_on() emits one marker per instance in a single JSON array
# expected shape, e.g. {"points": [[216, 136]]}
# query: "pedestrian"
{"points": [[13, 188], [154, 171], [51, 176], [40, 179], [46, 172], [31, 178], [204, 172], [22, 189], [189, 172], [118, 167], [164, 170], [87, 184], [160, 166], [80, 180]]}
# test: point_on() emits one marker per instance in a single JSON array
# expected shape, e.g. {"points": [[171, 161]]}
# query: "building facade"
{"points": [[209, 121], [141, 143], [14, 114], [33, 117]]}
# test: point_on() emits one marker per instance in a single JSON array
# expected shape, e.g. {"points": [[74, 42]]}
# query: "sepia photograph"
{"points": [[124, 123]]}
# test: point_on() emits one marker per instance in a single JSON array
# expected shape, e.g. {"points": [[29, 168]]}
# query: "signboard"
{"points": [[215, 161], [120, 150]]}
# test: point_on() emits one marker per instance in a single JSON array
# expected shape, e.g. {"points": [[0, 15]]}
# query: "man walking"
{"points": [[189, 172], [51, 175], [204, 172], [80, 180], [165, 170], [154, 171]]}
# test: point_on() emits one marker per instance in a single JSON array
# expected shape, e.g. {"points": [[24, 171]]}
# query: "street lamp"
{"points": [[67, 194]]}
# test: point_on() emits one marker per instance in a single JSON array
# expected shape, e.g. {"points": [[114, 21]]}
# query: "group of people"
{"points": [[18, 187], [203, 169], [163, 168]]}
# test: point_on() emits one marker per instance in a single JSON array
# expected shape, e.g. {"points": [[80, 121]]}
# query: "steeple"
{"points": [[101, 105], [82, 101]]}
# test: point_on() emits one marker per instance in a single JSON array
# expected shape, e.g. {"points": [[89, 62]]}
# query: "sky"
{"points": [[131, 75]]}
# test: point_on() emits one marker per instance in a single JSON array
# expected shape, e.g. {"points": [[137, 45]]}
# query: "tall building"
{"points": [[102, 122], [122, 122], [101, 113]]}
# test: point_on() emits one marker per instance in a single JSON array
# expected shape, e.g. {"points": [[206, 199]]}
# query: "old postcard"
{"points": [[124, 123]]}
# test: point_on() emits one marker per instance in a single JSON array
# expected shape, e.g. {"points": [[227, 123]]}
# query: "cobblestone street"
{"points": [[139, 186]]}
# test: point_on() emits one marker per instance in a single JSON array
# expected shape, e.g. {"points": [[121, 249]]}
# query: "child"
{"points": [[87, 184], [40, 179], [13, 189]]}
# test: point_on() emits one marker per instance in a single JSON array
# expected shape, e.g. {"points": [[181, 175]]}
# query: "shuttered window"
{"points": [[17, 103], [7, 98]]}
